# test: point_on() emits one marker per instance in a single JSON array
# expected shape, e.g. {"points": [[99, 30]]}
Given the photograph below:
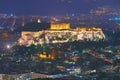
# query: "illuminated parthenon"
{"points": [[61, 26], [60, 33]]}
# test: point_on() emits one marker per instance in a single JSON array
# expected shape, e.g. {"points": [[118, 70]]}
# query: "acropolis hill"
{"points": [[60, 33]]}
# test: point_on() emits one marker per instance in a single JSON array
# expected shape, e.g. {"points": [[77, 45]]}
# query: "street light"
{"points": [[8, 46]]}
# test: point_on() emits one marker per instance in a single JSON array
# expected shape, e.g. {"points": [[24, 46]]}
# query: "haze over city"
{"points": [[53, 7]]}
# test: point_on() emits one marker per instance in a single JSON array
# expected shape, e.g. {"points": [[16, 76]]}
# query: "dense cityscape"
{"points": [[72, 46]]}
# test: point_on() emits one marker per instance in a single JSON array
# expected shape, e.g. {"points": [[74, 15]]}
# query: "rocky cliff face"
{"points": [[52, 36]]}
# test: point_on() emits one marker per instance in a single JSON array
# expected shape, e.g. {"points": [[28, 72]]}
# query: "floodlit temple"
{"points": [[62, 26], [59, 33]]}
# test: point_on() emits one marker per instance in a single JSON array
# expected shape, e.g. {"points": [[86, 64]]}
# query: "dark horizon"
{"points": [[53, 7]]}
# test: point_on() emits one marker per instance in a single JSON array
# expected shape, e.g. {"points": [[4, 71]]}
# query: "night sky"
{"points": [[52, 7]]}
